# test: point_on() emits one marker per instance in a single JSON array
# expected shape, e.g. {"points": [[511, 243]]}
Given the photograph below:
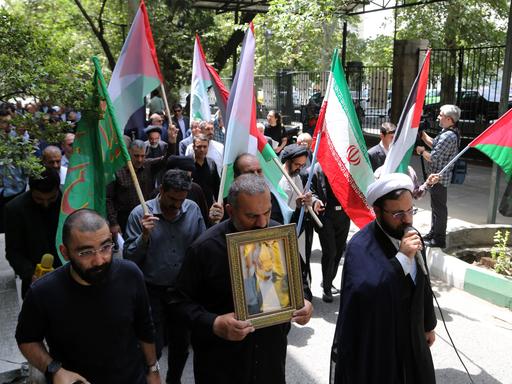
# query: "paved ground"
{"points": [[481, 331]]}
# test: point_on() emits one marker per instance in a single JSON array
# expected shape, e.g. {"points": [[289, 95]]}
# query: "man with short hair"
{"points": [[157, 242], [196, 127], [31, 224], [378, 152], [444, 148], [205, 174], [51, 158], [181, 122], [227, 350], [67, 148], [93, 313], [121, 194], [386, 318], [215, 149]]}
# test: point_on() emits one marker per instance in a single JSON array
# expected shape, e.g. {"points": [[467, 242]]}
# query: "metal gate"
{"points": [[470, 78]]}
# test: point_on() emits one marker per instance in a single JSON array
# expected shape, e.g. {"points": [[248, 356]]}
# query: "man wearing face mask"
{"points": [[157, 242], [93, 313], [227, 350], [31, 221], [386, 319]]}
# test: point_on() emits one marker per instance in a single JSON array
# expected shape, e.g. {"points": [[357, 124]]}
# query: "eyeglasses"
{"points": [[401, 214], [103, 250]]}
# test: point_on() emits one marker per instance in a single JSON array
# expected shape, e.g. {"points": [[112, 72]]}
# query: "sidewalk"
{"points": [[308, 356]]}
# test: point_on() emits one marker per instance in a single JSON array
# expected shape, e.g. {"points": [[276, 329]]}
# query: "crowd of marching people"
{"points": [[172, 286]]}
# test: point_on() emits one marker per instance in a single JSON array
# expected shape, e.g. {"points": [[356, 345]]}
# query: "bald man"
{"points": [[51, 159]]}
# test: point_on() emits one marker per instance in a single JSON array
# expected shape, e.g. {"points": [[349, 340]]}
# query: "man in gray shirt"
{"points": [[157, 242]]}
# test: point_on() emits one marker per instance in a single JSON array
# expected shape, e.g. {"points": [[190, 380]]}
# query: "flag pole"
{"points": [[120, 137], [167, 109], [453, 160], [220, 199], [297, 190]]}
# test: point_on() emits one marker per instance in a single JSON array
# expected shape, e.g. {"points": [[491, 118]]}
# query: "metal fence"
{"points": [[470, 78]]}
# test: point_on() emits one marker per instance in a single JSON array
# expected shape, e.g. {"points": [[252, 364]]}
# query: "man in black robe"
{"points": [[227, 350], [386, 320]]}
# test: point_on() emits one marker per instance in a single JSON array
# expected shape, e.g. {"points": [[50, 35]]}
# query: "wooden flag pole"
{"points": [[137, 187], [167, 109], [220, 198], [297, 191]]}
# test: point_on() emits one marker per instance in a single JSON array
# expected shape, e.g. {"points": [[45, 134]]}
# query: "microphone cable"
{"points": [[442, 317]]}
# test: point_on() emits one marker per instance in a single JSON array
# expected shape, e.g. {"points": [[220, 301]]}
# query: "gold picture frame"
{"points": [[265, 274]]}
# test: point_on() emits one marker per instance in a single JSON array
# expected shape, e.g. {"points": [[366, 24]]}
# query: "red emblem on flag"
{"points": [[353, 155]]}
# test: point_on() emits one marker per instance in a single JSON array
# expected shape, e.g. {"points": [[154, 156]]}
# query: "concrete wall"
{"points": [[406, 63]]}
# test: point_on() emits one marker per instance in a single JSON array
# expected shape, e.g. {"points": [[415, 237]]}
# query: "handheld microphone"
{"points": [[45, 266], [419, 256]]}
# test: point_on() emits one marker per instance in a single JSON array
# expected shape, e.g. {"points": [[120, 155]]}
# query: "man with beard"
{"points": [[31, 221], [157, 242], [93, 313], [386, 319], [227, 350]]}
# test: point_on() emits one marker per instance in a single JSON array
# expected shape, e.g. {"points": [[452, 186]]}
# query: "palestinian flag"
{"points": [[98, 152], [496, 142], [399, 155], [199, 103], [242, 136], [135, 75], [214, 80], [342, 150]]}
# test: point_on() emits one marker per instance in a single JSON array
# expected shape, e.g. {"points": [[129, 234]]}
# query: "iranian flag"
{"points": [[342, 151], [199, 103], [496, 142], [98, 152], [399, 155], [242, 136], [136, 74]]}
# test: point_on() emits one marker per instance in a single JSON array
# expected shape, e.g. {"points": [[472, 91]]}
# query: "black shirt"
{"points": [[276, 132], [208, 179], [204, 292], [92, 330]]}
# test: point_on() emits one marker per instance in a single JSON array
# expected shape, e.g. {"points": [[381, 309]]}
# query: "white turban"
{"points": [[387, 183]]}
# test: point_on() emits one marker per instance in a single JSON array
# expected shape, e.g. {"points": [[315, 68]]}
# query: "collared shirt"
{"points": [[383, 147], [215, 152], [161, 257], [444, 148], [64, 162], [183, 128], [408, 265]]}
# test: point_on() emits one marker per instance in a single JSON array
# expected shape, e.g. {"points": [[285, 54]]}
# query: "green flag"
{"points": [[98, 152]]}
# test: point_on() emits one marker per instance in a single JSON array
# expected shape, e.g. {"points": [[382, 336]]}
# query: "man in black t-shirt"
{"points": [[93, 313]]}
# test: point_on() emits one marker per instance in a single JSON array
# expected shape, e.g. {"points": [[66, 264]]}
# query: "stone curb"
{"points": [[487, 285]]}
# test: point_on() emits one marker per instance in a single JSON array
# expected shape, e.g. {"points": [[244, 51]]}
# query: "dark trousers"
{"points": [[333, 239], [169, 327], [309, 230], [438, 198]]}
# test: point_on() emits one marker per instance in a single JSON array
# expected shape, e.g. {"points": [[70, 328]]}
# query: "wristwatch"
{"points": [[51, 369], [155, 368]]}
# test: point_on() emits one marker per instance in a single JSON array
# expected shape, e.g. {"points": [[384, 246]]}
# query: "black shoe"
{"points": [[334, 290], [327, 297], [435, 243]]}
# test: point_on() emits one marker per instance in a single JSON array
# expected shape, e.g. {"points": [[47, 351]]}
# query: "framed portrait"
{"points": [[265, 274]]}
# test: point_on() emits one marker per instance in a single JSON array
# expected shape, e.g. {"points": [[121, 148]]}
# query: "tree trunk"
{"points": [[228, 49]]}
